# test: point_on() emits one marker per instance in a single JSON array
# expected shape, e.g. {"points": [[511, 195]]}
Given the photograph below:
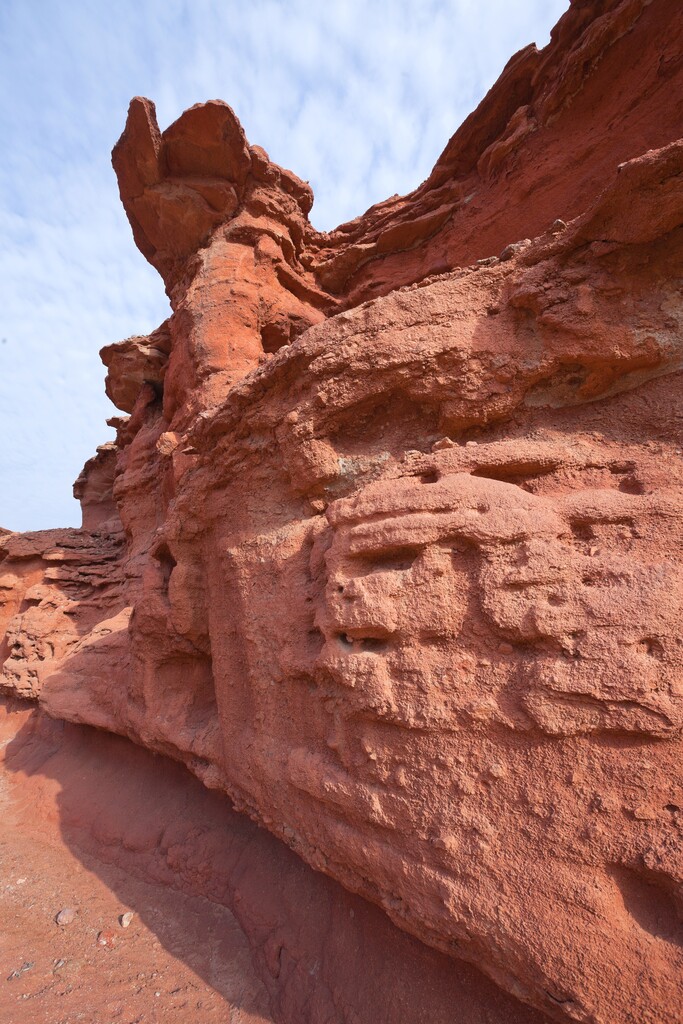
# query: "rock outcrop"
{"points": [[388, 545]]}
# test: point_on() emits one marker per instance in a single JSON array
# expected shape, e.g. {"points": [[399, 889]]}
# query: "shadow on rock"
{"points": [[322, 954]]}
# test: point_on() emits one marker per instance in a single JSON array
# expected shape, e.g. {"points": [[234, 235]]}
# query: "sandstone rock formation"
{"points": [[135, 820], [388, 545]]}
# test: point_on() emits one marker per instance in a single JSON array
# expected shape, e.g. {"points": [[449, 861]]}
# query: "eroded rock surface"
{"points": [[229, 924], [388, 545]]}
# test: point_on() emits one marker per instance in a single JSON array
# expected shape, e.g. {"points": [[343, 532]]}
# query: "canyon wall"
{"points": [[387, 547]]}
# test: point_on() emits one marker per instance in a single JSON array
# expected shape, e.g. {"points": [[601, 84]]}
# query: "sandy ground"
{"points": [[182, 958]]}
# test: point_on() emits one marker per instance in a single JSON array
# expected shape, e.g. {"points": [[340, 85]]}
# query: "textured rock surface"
{"points": [[388, 546], [229, 924]]}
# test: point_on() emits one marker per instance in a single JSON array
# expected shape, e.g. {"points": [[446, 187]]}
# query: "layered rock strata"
{"points": [[388, 545]]}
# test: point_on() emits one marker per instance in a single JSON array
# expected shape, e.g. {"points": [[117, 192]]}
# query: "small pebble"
{"points": [[511, 250], [66, 916], [24, 967], [106, 938], [125, 919]]}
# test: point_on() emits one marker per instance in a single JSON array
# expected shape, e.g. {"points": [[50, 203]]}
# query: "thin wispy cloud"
{"points": [[357, 97]]}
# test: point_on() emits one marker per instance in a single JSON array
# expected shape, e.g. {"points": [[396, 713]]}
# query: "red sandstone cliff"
{"points": [[388, 545]]}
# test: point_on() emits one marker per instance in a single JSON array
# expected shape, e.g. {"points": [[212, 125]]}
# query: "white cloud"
{"points": [[357, 96]]}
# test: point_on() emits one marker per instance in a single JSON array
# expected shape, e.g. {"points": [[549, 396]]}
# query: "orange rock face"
{"points": [[388, 546]]}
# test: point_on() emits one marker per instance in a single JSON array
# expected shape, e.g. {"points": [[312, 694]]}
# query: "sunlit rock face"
{"points": [[388, 547]]}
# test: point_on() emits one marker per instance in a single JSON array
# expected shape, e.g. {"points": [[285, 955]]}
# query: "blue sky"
{"points": [[357, 96]]}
